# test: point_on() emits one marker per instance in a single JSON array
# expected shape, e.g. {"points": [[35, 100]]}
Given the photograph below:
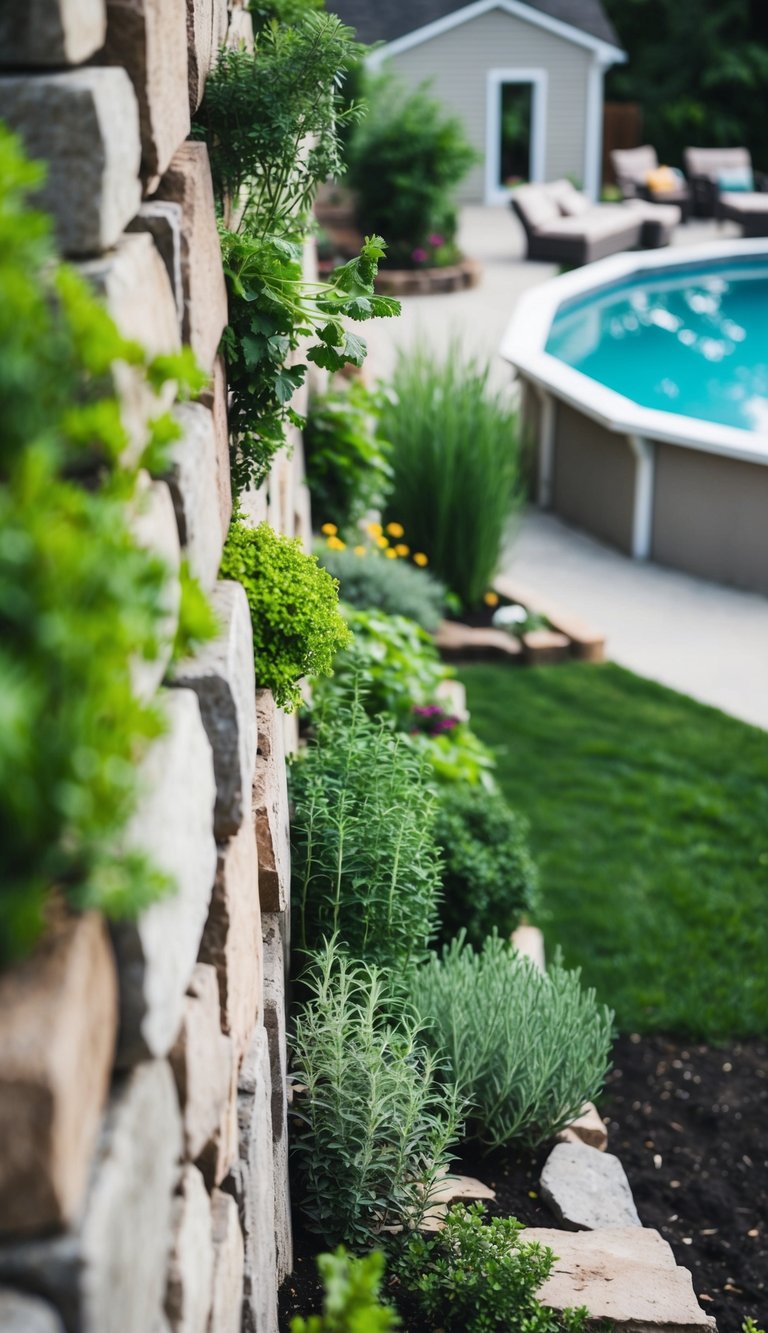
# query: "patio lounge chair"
{"points": [[634, 166], [562, 226], [721, 178]]}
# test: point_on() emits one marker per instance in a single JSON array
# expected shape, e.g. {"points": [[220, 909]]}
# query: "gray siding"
{"points": [[457, 62]]}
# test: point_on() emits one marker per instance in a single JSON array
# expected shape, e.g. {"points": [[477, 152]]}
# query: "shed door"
{"points": [[515, 144]]}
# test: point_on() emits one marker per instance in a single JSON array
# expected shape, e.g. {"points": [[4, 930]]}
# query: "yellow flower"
{"points": [[491, 599], [382, 542], [390, 554], [336, 544], [329, 529], [374, 529], [420, 559], [359, 550], [402, 549], [395, 529]]}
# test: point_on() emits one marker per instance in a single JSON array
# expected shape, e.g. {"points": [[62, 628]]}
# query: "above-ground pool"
{"points": [[645, 391]]}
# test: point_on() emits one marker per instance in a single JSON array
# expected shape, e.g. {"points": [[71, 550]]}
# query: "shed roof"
{"points": [[388, 20]]}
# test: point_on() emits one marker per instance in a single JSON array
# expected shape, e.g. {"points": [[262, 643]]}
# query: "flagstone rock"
{"points": [[270, 807], [228, 1265], [626, 1276], [189, 1294], [587, 1190], [587, 1128], [199, 48], [193, 481], [222, 676], [148, 38], [201, 1060], [232, 938], [220, 1154], [163, 223], [26, 1314], [127, 1213], [173, 827], [188, 182], [215, 398], [58, 1023], [51, 32], [275, 971], [241, 29], [84, 124], [153, 523]]}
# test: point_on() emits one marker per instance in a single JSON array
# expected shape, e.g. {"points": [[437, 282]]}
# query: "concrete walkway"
{"points": [[705, 640]]}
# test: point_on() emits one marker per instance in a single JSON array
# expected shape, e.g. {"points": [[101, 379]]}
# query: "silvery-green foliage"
{"points": [[527, 1049], [374, 1124], [365, 864]]}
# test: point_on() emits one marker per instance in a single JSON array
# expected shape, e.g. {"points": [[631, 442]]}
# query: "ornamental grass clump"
{"points": [[526, 1048], [367, 579], [374, 1127], [489, 877], [297, 627], [364, 861], [454, 457]]}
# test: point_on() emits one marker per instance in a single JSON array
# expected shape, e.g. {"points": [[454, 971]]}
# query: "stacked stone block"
{"points": [[143, 1152]]}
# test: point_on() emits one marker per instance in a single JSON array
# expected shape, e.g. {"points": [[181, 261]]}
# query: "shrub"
{"points": [[475, 1278], [526, 1048], [454, 458], [347, 469], [351, 1296], [81, 603], [364, 862], [396, 660], [405, 160], [489, 877], [374, 1126], [370, 582], [297, 627], [457, 756]]}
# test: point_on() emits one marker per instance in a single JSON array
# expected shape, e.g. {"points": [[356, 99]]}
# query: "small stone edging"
{"points": [[568, 638], [429, 281]]}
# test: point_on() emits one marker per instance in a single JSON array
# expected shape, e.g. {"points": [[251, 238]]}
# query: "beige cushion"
{"points": [[667, 214], [594, 225], [537, 204], [634, 164], [571, 202], [712, 161]]}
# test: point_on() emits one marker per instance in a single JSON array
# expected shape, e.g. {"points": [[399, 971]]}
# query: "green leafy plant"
{"points": [[476, 1278], [347, 469], [405, 160], [351, 1301], [81, 603], [197, 622], [364, 863], [396, 660], [526, 1048], [454, 458], [457, 755], [374, 1126], [297, 628], [489, 877], [372, 583]]}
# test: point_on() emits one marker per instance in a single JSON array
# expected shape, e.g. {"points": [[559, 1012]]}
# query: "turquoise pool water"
{"points": [[691, 339]]}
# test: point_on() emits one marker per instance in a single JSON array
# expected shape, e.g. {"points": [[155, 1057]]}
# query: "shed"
{"points": [[525, 77]]}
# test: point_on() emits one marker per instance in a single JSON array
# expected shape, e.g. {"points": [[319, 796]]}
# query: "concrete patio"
{"points": [[709, 641]]}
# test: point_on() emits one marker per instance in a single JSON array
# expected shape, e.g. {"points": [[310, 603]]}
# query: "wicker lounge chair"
{"points": [[708, 170], [633, 166], [562, 226]]}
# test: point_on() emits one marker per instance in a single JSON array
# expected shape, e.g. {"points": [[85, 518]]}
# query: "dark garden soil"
{"points": [[690, 1125]]}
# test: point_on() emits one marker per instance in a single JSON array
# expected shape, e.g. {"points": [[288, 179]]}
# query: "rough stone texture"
{"points": [[26, 1314], [241, 30], [251, 1184], [221, 674], [544, 646], [149, 39], [154, 526], [270, 807], [127, 1214], [215, 398], [588, 1128], [627, 1276], [188, 182], [199, 48], [232, 937], [163, 223], [51, 32], [220, 23], [220, 1155], [58, 1023], [228, 1265], [275, 969], [254, 507], [587, 1190], [466, 641], [174, 826], [529, 940], [201, 1060], [133, 283], [85, 125], [189, 1293], [193, 482]]}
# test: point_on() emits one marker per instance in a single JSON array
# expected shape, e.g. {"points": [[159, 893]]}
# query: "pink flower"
{"points": [[436, 239], [418, 255]]}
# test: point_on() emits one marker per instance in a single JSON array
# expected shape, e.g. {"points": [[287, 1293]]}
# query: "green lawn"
{"points": [[649, 820]]}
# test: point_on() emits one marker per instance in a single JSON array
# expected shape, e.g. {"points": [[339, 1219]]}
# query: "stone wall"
{"points": [[143, 1156]]}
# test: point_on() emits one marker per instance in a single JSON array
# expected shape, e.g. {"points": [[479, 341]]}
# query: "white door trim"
{"points": [[495, 78]]}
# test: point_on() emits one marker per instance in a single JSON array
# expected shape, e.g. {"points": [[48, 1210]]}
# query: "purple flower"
{"points": [[418, 255], [436, 239]]}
